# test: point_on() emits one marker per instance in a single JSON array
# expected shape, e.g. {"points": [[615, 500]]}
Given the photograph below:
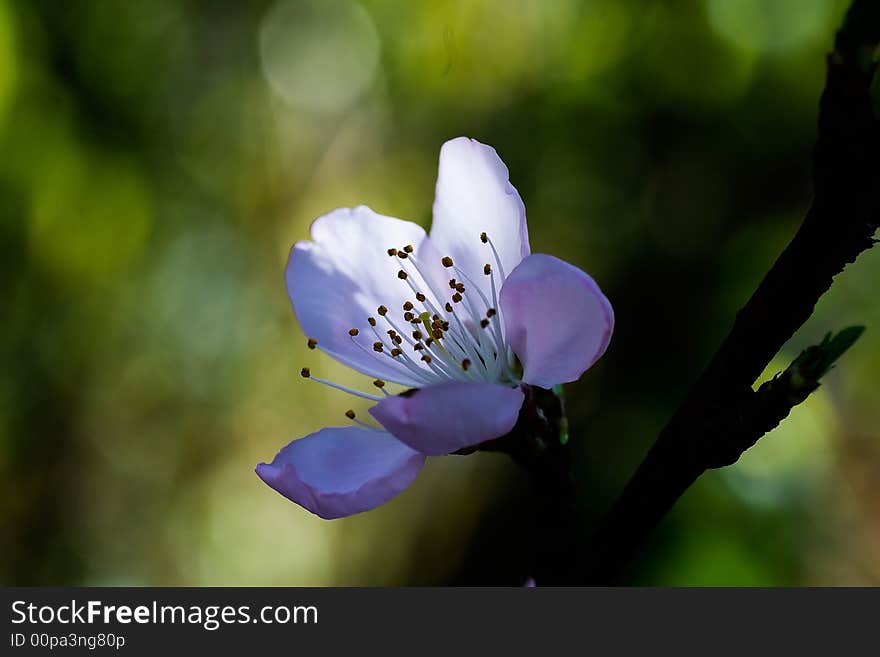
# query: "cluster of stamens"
{"points": [[454, 332]]}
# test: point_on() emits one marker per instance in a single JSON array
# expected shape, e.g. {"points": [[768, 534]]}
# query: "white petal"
{"points": [[340, 278], [556, 319], [474, 195], [340, 471]]}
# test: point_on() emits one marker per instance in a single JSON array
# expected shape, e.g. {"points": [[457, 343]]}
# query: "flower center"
{"points": [[455, 329], [445, 332]]}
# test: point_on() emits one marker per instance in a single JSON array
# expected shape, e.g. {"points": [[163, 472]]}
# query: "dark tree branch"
{"points": [[722, 416], [537, 445]]}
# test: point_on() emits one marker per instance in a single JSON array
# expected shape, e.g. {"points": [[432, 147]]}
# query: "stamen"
{"points": [[487, 269], [456, 297], [351, 416], [379, 383], [401, 275], [417, 335], [408, 248], [402, 254], [408, 305], [382, 310], [496, 346], [353, 332], [377, 346], [371, 321], [484, 323], [357, 393], [460, 288], [460, 340], [418, 372], [312, 343], [452, 283], [465, 364], [446, 261], [485, 239], [426, 358], [491, 312], [392, 252], [396, 352], [448, 307], [305, 372]]}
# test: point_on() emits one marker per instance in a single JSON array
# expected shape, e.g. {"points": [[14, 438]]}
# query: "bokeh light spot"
{"points": [[319, 56], [769, 27]]}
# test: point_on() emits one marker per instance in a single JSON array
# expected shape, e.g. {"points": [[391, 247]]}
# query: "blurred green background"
{"points": [[159, 157]]}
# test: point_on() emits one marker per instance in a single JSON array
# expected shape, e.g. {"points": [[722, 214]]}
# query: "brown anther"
{"points": [[418, 346], [491, 312], [397, 339], [408, 248], [408, 316], [487, 269], [353, 332], [377, 346], [456, 297], [435, 318], [350, 414], [426, 358], [305, 372], [484, 323], [445, 326], [452, 283], [460, 288], [408, 305], [391, 331], [420, 297], [429, 342], [401, 275], [465, 364], [446, 261], [392, 252], [484, 238], [312, 343], [437, 333], [396, 352], [448, 307], [379, 383], [402, 255], [417, 335], [382, 310]]}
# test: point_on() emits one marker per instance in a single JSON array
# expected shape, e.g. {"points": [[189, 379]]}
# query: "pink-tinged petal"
{"points": [[474, 195], [340, 471], [340, 278], [556, 319], [444, 418]]}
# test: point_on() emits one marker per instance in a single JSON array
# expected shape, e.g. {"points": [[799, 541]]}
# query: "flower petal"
{"points": [[474, 195], [339, 279], [340, 471], [556, 319], [443, 418]]}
